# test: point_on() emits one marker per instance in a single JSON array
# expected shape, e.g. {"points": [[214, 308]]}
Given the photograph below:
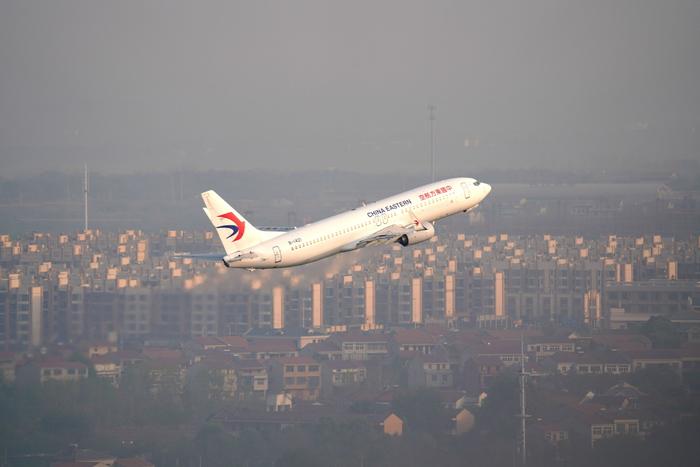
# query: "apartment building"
{"points": [[69, 287]]}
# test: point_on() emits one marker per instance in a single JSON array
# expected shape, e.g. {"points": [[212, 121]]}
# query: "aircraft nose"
{"points": [[487, 189]]}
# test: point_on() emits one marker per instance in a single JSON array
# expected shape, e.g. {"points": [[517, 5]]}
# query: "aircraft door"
{"points": [[465, 188], [278, 254]]}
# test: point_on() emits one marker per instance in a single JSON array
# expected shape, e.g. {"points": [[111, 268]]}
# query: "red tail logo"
{"points": [[238, 226]]}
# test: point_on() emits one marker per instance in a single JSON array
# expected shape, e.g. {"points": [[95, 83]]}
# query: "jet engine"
{"points": [[417, 236]]}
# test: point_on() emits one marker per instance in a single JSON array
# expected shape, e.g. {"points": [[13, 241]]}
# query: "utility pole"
{"points": [[522, 439], [85, 192], [431, 119]]}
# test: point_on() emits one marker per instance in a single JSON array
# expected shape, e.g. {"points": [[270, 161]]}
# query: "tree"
{"points": [[422, 410], [661, 332]]}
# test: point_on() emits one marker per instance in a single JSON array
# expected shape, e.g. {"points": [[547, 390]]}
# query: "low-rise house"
{"points": [[279, 402], [266, 348], [90, 349], [599, 362], [52, 369], [392, 425], [357, 345], [462, 421], [253, 380], [592, 419], [621, 342], [166, 369], [81, 464], [415, 340], [86, 458], [432, 371], [553, 433], [508, 351], [621, 396], [304, 414], [8, 362], [478, 372], [324, 350], [613, 425], [548, 346], [301, 336], [690, 359], [669, 358], [133, 462], [108, 366], [219, 373], [299, 376], [210, 343], [454, 399], [339, 373]]}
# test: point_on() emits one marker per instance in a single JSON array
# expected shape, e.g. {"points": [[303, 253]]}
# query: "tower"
{"points": [[522, 438]]}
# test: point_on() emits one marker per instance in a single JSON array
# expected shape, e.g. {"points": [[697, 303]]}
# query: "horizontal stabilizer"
{"points": [[208, 256]]}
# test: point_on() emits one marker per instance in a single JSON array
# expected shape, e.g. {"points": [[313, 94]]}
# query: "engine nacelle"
{"points": [[417, 236]]}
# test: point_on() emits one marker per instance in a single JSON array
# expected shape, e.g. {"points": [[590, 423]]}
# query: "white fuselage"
{"points": [[337, 233]]}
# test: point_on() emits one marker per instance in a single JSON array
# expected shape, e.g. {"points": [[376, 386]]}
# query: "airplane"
{"points": [[406, 218]]}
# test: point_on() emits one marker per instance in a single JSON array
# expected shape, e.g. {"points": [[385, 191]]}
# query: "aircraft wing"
{"points": [[382, 237]]}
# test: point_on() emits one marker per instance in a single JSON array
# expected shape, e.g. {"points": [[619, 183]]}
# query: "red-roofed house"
{"points": [[265, 348], [210, 343], [622, 342]]}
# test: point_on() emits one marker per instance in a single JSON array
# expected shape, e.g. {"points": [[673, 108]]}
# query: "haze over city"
{"points": [[442, 233], [142, 86]]}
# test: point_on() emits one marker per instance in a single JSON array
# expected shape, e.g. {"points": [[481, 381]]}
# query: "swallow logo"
{"points": [[237, 228]]}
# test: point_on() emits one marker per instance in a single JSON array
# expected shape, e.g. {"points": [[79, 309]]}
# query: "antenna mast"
{"points": [[522, 441], [85, 192]]}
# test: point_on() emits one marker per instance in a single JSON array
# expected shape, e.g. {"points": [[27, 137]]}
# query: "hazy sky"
{"points": [[161, 84]]}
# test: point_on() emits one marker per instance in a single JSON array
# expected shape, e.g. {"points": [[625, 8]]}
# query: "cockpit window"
{"points": [[477, 183]]}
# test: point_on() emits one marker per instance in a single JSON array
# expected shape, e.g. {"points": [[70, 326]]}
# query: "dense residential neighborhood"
{"points": [[114, 354]]}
